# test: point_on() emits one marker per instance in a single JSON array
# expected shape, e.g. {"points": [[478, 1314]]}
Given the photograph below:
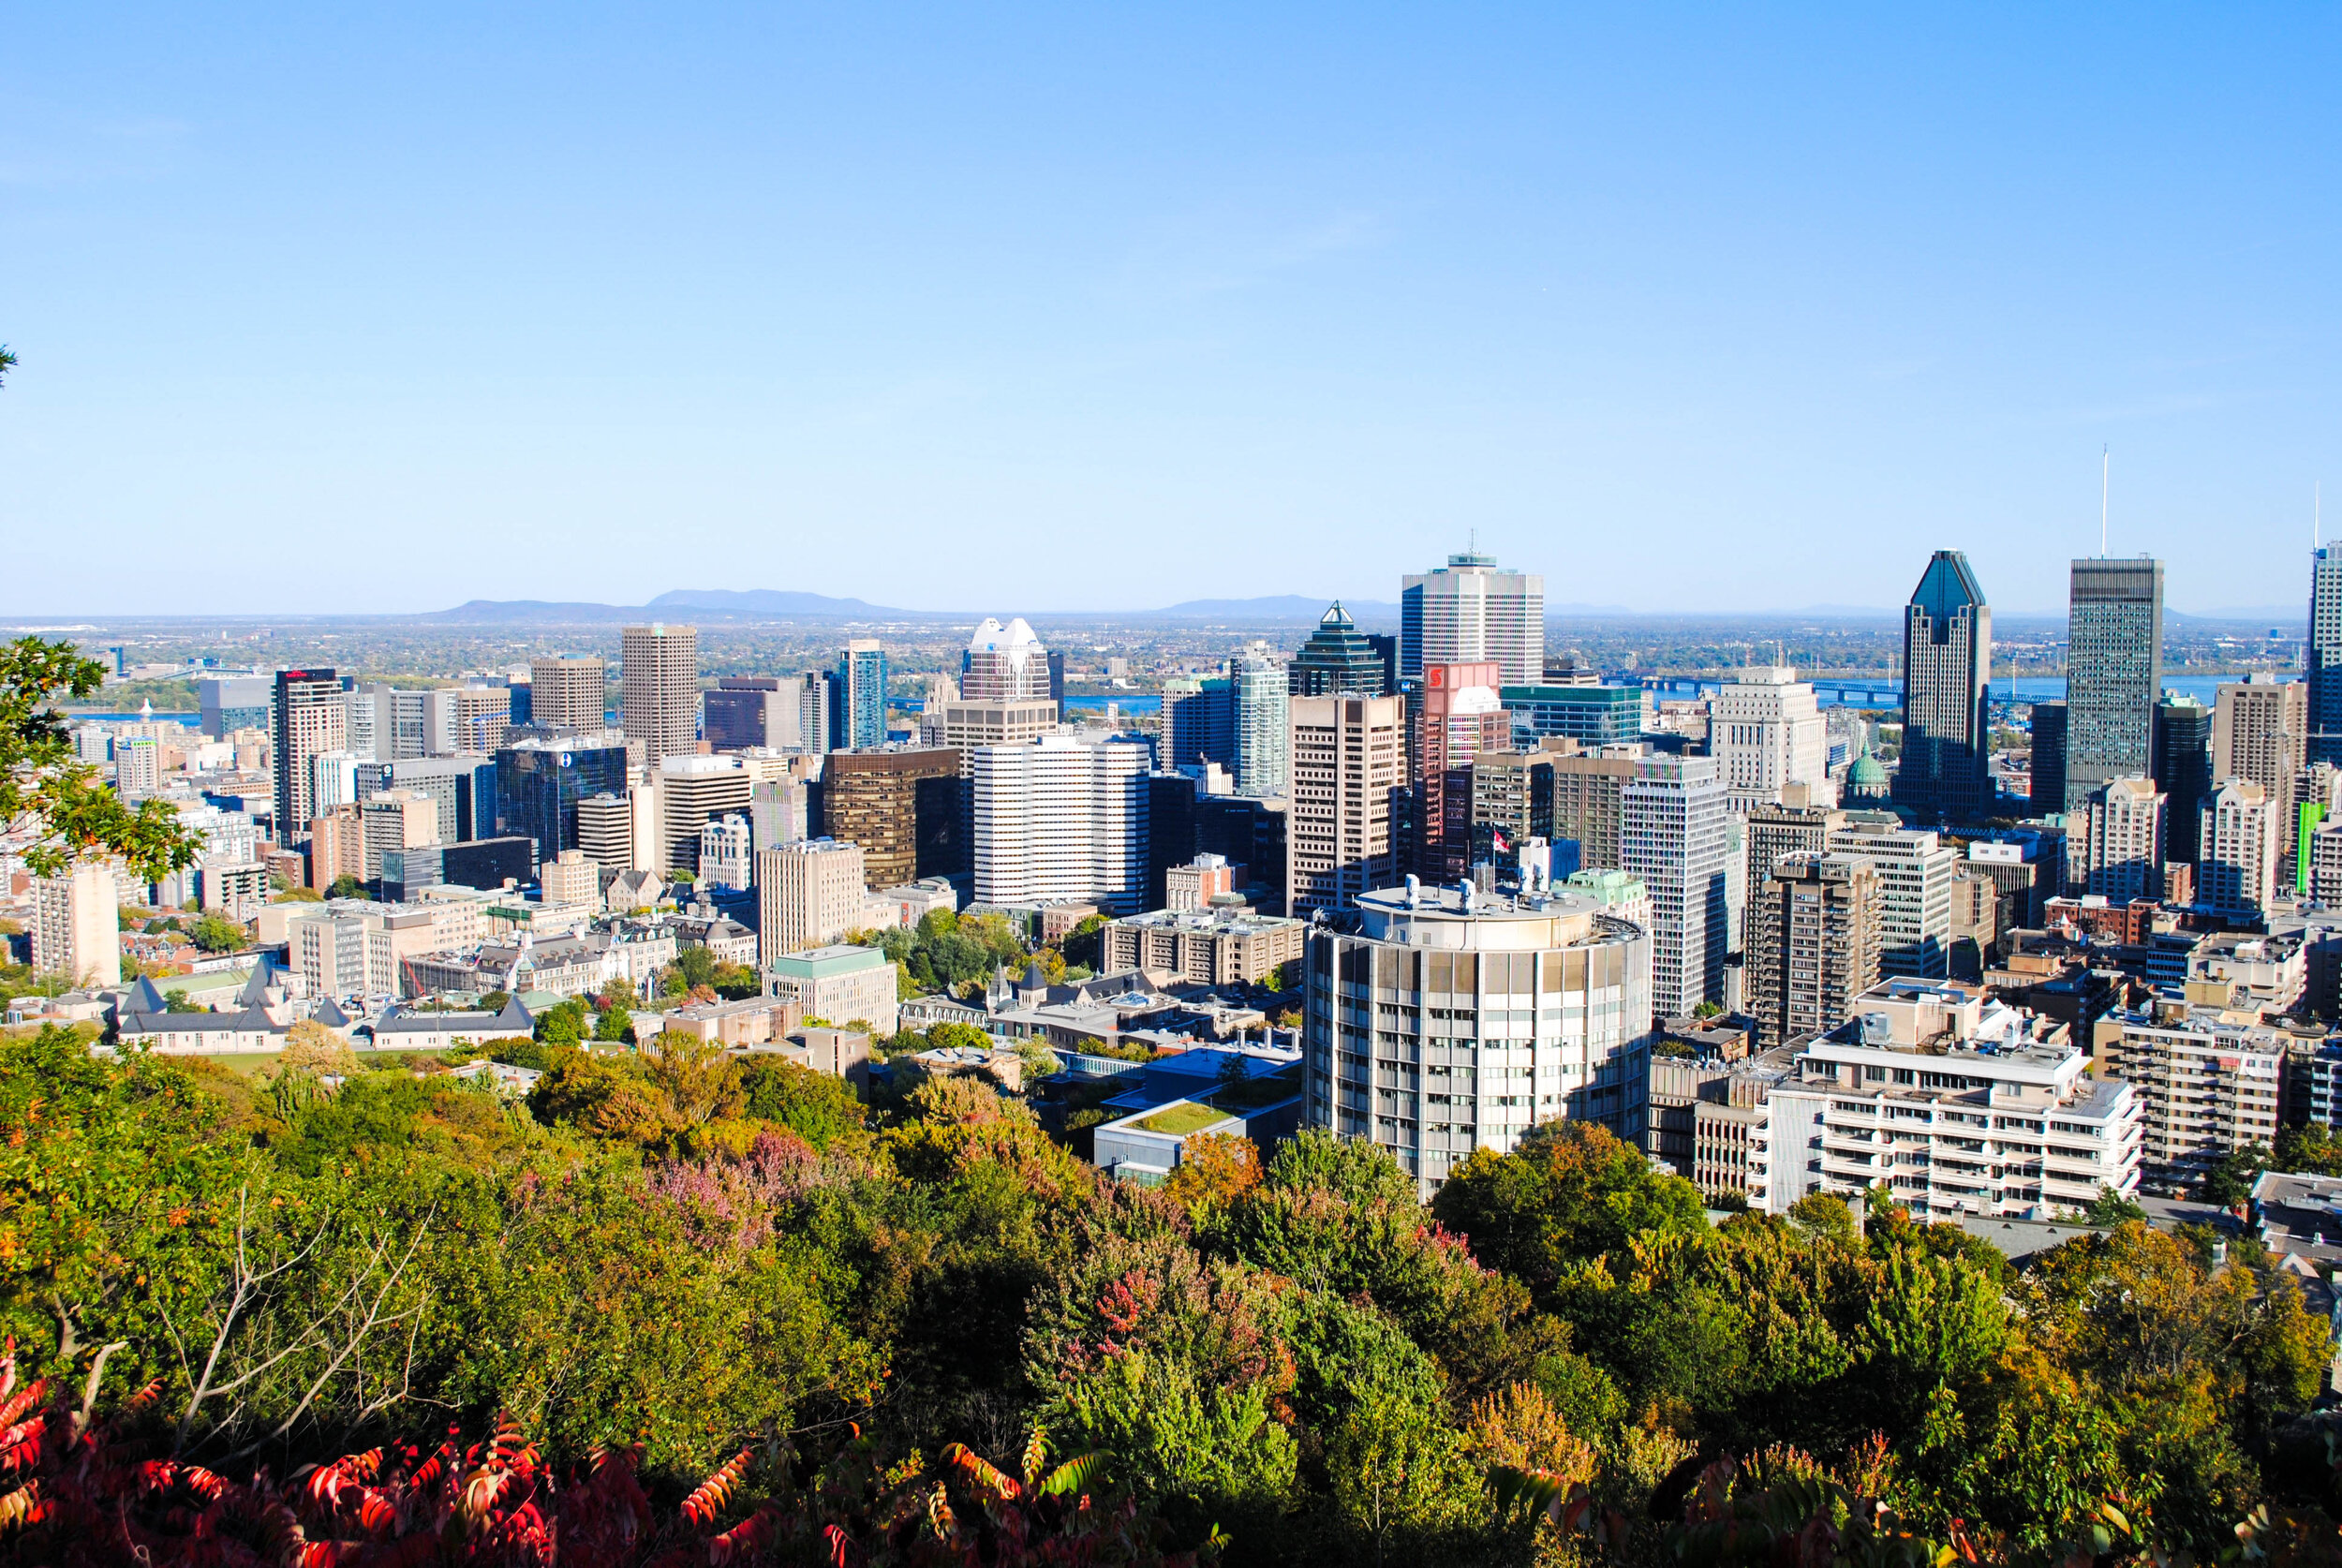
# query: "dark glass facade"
{"points": [[537, 789], [2183, 771], [1947, 667]]}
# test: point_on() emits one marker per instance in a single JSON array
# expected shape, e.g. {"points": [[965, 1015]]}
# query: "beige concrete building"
{"points": [[1812, 944], [1194, 885], [836, 984], [77, 925], [337, 846], [695, 791], [1349, 763], [570, 878], [658, 690], [968, 723], [2122, 848], [808, 894], [1203, 947], [397, 819], [567, 693], [2238, 873], [2260, 730], [2207, 1078]]}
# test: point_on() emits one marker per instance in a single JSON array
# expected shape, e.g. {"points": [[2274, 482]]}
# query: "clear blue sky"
{"points": [[1027, 308]]}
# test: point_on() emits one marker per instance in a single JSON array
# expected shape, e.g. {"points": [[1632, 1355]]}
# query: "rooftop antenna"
{"points": [[2106, 474], [2317, 514]]}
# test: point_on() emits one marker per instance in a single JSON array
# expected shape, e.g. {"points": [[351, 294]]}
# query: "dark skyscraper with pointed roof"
{"points": [[1947, 667], [1339, 658]]}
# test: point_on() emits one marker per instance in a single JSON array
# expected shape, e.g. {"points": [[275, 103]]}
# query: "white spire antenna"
{"points": [[2106, 475], [2317, 515]]}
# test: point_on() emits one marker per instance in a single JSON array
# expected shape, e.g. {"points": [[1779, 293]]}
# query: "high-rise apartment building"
{"points": [[77, 925], [1339, 658], [1004, 665], [307, 715], [1062, 817], [1947, 671], [658, 690], [2183, 771], [2113, 673], [1199, 721], [337, 846], [397, 819], [2237, 873], [858, 697], [1261, 691], [1916, 871], [2124, 847], [1459, 718], [2322, 656], [1766, 734], [902, 805], [2261, 733], [1675, 840], [1348, 760], [1471, 611], [471, 718], [138, 767], [1454, 1021], [808, 894], [1777, 832], [695, 791], [567, 693], [540, 782], [1813, 943]]}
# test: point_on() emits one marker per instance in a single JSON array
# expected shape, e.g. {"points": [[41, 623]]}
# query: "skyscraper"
{"points": [[567, 693], [2113, 673], [306, 717], [1947, 667], [902, 806], [1199, 721], [1469, 611], [1675, 841], [2260, 732], [1003, 663], [1261, 689], [858, 697], [2183, 771], [694, 791], [659, 690], [742, 711], [1915, 873], [1766, 734], [1348, 757], [2123, 851], [76, 924], [1062, 817], [540, 782], [2324, 656], [2045, 727], [808, 894], [2238, 872], [1461, 718], [1339, 657]]}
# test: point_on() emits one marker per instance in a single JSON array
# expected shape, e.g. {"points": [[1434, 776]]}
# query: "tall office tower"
{"points": [[1057, 677], [2122, 853], [1062, 817], [1339, 658], [465, 718], [1348, 760], [1389, 1052], [808, 894], [1471, 611], [2183, 771], [2261, 733], [77, 925], [540, 784], [307, 715], [902, 806], [1512, 802], [401, 719], [1460, 717], [1766, 734], [2322, 656], [605, 827], [1675, 841], [567, 693], [463, 787], [693, 792], [1777, 832], [1004, 665], [1261, 692], [857, 697], [1947, 671], [2238, 872], [1915, 870], [1198, 722], [967, 723], [397, 819], [739, 712], [232, 703], [2046, 726], [781, 811], [1813, 944], [658, 690], [2113, 673], [138, 767]]}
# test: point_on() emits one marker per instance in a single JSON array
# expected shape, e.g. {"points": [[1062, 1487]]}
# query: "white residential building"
{"points": [[2238, 873], [1765, 732], [1062, 817], [77, 928], [1916, 871], [2123, 856], [1261, 692], [1958, 1104], [1675, 841]]}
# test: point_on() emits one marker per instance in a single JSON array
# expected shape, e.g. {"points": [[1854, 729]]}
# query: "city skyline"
{"points": [[1770, 305]]}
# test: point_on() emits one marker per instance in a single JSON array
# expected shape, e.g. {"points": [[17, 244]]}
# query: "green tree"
{"points": [[346, 886], [217, 934], [55, 804], [563, 1023], [1569, 1193], [616, 1025]]}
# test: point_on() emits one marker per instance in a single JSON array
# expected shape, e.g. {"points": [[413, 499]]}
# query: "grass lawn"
{"points": [[1184, 1118]]}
